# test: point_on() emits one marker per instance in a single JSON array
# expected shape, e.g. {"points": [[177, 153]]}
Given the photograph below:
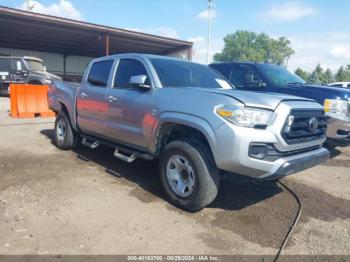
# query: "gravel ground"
{"points": [[53, 202]]}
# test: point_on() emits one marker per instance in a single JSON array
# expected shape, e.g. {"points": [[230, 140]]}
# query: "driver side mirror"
{"points": [[139, 81]]}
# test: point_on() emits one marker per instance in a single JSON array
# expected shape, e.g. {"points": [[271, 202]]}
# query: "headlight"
{"points": [[245, 116], [47, 81], [337, 106]]}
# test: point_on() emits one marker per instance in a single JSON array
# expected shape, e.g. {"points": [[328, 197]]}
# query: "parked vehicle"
{"points": [[22, 70], [190, 117], [273, 78], [340, 84]]}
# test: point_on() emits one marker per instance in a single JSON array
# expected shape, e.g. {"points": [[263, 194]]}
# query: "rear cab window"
{"points": [[99, 73]]}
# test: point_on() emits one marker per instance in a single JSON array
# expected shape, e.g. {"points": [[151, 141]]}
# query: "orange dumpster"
{"points": [[29, 101]]}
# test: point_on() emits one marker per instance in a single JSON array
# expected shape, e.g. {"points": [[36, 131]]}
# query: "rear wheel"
{"points": [[65, 137], [188, 174]]}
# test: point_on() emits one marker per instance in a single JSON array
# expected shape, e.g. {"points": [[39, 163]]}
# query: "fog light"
{"points": [[258, 151]]}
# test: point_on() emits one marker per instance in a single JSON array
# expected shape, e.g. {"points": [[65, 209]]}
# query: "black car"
{"points": [[22, 70]]}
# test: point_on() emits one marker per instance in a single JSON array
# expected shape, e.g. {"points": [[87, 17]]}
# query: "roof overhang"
{"points": [[33, 31]]}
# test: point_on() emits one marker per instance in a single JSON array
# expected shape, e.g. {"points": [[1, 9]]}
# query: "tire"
{"points": [[200, 175], [65, 137]]}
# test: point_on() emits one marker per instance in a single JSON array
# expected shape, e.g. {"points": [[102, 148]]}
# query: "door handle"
{"points": [[111, 99], [83, 95]]}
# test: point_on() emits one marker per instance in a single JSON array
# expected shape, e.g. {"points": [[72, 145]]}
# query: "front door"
{"points": [[130, 107], [91, 99]]}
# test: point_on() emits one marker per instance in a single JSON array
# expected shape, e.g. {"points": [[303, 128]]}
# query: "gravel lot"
{"points": [[53, 202]]}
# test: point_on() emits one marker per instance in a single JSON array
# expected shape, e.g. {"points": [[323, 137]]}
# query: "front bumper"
{"points": [[291, 165], [338, 128], [232, 149]]}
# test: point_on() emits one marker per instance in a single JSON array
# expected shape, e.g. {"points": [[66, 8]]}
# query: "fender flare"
{"points": [[71, 114], [192, 121]]}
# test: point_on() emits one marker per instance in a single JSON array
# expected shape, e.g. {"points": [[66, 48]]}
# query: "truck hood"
{"points": [[257, 99], [327, 91]]}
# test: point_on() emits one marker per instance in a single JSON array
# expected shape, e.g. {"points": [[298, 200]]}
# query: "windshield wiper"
{"points": [[295, 83]]}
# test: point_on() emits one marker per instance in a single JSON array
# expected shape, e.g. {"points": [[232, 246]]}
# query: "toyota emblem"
{"points": [[313, 124]]}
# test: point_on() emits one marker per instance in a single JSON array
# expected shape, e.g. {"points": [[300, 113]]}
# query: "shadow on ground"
{"points": [[333, 146], [232, 195], [259, 212]]}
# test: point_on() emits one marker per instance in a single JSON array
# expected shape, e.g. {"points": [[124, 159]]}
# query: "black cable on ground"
{"points": [[296, 219]]}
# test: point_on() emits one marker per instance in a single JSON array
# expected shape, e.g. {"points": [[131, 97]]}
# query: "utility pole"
{"points": [[210, 6], [30, 7]]}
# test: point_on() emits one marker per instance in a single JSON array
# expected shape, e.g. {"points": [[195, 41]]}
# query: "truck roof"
{"points": [[141, 55], [241, 62], [23, 57]]}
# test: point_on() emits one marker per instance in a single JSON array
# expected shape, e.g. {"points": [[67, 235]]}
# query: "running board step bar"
{"points": [[125, 158], [87, 143], [121, 152]]}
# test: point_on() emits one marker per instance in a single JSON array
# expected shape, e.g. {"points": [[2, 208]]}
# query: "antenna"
{"points": [[210, 6]]}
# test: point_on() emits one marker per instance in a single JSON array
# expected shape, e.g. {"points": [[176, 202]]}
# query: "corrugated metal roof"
{"points": [[27, 30]]}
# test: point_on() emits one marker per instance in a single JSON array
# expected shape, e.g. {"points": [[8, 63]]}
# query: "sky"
{"points": [[319, 30]]}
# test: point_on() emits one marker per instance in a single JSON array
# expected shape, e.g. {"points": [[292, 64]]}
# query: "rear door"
{"points": [[92, 107], [129, 112]]}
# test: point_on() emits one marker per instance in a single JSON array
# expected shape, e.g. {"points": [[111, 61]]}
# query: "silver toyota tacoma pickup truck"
{"points": [[192, 119]]}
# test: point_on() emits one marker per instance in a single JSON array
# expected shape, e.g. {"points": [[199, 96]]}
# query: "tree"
{"points": [[302, 73], [328, 76], [317, 76], [245, 45], [314, 79], [342, 75], [320, 77]]}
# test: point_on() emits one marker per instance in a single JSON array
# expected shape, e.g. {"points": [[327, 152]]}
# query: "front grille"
{"points": [[304, 126]]}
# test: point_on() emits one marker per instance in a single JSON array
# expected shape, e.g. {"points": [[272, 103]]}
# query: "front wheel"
{"points": [[65, 137], [188, 174]]}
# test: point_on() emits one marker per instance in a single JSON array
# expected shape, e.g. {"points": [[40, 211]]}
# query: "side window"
{"points": [[223, 69], [243, 76], [99, 72], [17, 65], [349, 85], [236, 76], [126, 69]]}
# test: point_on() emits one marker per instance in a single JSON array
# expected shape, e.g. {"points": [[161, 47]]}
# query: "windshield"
{"points": [[34, 65], [177, 73], [279, 75]]}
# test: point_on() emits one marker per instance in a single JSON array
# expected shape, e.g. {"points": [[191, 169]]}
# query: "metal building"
{"points": [[66, 46]]}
